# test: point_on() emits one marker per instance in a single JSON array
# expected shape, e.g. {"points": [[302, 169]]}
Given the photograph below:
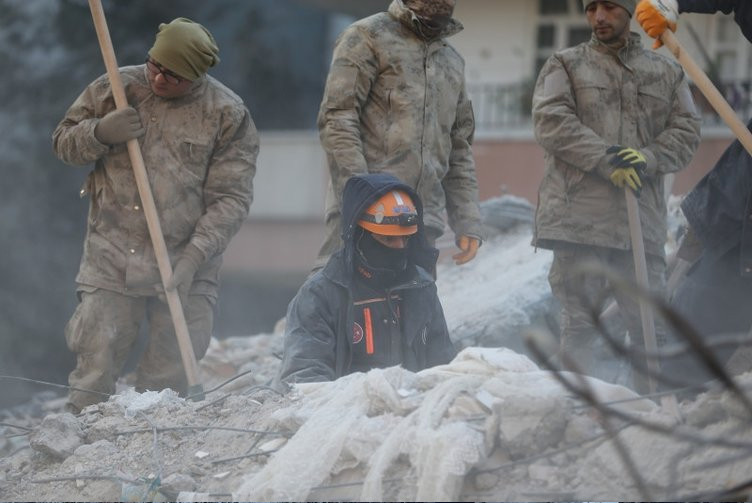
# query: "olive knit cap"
{"points": [[629, 5], [185, 48]]}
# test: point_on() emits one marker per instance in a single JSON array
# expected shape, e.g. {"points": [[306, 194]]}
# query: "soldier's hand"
{"points": [[185, 269], [629, 167], [655, 16], [469, 246], [119, 126]]}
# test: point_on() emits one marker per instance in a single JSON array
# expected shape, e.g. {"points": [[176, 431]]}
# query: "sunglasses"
{"points": [[155, 69]]}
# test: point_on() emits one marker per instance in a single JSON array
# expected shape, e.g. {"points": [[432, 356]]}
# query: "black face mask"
{"points": [[431, 27], [381, 263]]}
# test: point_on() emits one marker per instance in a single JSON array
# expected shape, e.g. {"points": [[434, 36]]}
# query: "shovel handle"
{"points": [[147, 200], [704, 84]]}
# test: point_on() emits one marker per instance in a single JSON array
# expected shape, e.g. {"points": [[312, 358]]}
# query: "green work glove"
{"points": [[119, 126], [629, 167], [185, 269]]}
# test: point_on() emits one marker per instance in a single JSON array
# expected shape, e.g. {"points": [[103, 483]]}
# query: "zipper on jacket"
{"points": [[394, 312]]}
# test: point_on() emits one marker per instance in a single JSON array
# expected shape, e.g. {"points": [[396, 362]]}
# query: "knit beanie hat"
{"points": [[185, 47], [629, 5]]}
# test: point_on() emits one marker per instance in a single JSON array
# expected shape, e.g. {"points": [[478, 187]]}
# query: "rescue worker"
{"points": [[199, 146], [374, 304], [609, 115], [713, 296], [395, 102]]}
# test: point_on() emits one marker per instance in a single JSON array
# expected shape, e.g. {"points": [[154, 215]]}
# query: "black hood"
{"points": [[361, 192]]}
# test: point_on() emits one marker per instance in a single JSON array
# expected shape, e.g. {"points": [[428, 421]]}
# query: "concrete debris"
{"points": [[58, 436]]}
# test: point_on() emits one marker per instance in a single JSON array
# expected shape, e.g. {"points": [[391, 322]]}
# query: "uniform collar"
{"points": [[633, 45], [405, 16]]}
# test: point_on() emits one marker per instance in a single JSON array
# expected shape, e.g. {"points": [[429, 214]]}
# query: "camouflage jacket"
{"points": [[395, 103], [588, 98], [200, 155]]}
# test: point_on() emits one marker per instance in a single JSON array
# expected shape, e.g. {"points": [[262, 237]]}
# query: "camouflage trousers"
{"points": [[104, 329], [583, 293]]}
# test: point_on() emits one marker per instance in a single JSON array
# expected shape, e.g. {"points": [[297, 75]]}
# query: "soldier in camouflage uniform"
{"points": [[395, 102], [199, 146], [609, 114]]}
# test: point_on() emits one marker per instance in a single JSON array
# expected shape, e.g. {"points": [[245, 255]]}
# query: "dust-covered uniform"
{"points": [[396, 103], [200, 156], [588, 98]]}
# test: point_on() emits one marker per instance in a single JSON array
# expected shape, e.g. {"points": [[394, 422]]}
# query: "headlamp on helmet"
{"points": [[393, 214]]}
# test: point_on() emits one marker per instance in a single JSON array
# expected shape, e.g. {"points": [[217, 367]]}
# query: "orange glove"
{"points": [[469, 246], [655, 16]]}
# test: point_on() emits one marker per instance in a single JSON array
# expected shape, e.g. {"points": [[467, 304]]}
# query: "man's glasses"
{"points": [[156, 69]]}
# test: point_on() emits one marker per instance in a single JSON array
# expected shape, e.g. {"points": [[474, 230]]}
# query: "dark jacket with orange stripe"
{"points": [[321, 318]]}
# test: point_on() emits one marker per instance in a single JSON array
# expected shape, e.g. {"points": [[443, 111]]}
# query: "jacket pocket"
{"points": [[194, 158], [590, 98], [655, 105]]}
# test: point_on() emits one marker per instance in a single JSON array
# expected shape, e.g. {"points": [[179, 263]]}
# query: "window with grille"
{"points": [[561, 23]]}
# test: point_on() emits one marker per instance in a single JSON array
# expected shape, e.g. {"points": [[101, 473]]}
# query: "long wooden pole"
{"points": [[150, 209], [646, 313], [641, 273], [704, 84]]}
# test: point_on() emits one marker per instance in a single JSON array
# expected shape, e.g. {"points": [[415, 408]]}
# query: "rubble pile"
{"points": [[489, 426]]}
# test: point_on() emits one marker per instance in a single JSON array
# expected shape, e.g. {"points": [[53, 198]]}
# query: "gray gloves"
{"points": [[185, 268], [119, 126]]}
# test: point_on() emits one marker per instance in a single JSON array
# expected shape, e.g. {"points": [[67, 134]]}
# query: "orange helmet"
{"points": [[393, 214]]}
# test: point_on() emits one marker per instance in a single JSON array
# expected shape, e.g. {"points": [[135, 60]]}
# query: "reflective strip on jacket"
{"points": [[588, 98], [200, 156], [396, 103]]}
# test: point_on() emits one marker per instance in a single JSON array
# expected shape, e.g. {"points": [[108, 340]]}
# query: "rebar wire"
{"points": [[601, 437], [254, 444], [588, 394], [214, 402], [228, 381], [16, 435], [54, 385], [244, 456], [695, 342], [657, 394], [362, 482], [85, 477], [204, 428], [677, 431], [155, 446], [16, 426], [246, 392]]}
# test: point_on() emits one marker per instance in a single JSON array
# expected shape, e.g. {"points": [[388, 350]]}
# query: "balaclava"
{"points": [[185, 47], [377, 263], [629, 5], [431, 16]]}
